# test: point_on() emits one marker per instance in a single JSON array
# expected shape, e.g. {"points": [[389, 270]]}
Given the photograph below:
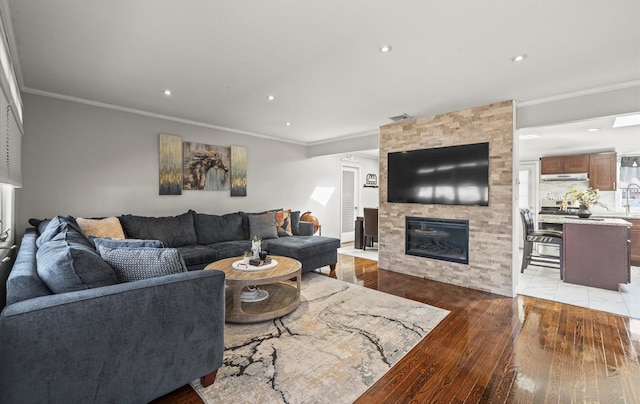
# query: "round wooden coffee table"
{"points": [[283, 297]]}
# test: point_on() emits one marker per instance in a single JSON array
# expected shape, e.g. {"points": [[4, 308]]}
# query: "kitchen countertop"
{"points": [[619, 215], [599, 221]]}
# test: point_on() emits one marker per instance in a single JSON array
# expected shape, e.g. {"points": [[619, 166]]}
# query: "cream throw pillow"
{"points": [[108, 227]]}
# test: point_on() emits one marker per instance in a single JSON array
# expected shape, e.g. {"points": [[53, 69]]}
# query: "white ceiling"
{"points": [[575, 138], [320, 59]]}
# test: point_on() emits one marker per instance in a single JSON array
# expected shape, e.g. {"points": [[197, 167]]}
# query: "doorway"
{"points": [[349, 202], [527, 192]]}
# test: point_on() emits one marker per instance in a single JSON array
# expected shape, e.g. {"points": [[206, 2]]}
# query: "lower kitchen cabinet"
{"points": [[635, 241], [596, 255]]}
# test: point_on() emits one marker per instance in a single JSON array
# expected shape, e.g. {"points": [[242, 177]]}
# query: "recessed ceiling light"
{"points": [[167, 92], [385, 48], [519, 58], [626, 120], [271, 98], [287, 123], [531, 136], [593, 129]]}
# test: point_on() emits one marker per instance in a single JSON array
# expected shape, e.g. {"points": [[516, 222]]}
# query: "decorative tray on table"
{"points": [[261, 265]]}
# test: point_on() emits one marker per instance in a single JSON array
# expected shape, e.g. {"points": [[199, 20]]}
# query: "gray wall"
{"points": [[89, 161]]}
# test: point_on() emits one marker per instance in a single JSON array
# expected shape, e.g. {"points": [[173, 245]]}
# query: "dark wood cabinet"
{"points": [[600, 166], [552, 165], [596, 255], [635, 241], [602, 171], [578, 163]]}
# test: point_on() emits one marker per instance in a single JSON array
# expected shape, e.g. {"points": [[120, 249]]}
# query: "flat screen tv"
{"points": [[453, 175]]}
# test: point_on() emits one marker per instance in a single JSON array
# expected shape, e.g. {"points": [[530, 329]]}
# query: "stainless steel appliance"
{"points": [[550, 211], [565, 177]]}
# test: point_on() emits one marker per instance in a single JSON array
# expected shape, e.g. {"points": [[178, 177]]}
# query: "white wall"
{"points": [[89, 161], [369, 196]]}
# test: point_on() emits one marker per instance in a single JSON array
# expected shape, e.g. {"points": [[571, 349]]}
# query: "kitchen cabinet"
{"points": [[602, 171], [635, 241], [578, 163], [596, 253]]}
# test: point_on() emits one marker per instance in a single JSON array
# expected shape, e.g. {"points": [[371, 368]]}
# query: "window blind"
{"points": [[10, 116], [10, 145]]}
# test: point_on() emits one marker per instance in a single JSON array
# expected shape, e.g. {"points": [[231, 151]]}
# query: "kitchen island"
{"points": [[595, 252]]}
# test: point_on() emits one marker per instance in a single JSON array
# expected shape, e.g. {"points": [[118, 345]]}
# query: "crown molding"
{"points": [[154, 115], [346, 137], [581, 93]]}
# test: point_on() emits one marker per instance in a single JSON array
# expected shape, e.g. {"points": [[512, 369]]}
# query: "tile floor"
{"points": [[545, 283]]}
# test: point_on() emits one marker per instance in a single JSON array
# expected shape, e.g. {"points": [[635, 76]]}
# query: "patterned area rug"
{"points": [[336, 344]]}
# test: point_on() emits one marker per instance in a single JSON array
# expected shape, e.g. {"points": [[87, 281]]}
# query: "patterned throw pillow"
{"points": [[283, 222], [134, 264], [108, 227]]}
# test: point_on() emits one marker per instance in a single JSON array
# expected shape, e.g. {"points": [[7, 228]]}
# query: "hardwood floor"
{"points": [[493, 349]]}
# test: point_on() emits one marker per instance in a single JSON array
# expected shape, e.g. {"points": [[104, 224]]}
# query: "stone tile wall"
{"points": [[490, 228]]}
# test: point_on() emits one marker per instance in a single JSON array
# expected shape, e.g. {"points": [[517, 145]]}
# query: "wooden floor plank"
{"points": [[497, 349]]}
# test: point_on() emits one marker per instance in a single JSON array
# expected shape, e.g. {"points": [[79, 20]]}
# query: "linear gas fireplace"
{"points": [[442, 239]]}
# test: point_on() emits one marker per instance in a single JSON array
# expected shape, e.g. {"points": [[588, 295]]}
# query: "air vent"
{"points": [[400, 117]]}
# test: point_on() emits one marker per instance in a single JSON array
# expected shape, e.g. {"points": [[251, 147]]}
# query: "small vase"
{"points": [[583, 212], [245, 260], [256, 247]]}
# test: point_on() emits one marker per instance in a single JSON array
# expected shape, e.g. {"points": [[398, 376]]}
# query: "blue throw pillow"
{"points": [[67, 266], [61, 224], [134, 264]]}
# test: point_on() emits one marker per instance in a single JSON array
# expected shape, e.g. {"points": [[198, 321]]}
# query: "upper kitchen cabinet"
{"points": [[578, 163], [602, 171]]}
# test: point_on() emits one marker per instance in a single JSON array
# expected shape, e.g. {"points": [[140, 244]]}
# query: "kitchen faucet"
{"points": [[628, 205]]}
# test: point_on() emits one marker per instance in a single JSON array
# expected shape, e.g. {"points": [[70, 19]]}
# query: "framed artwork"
{"points": [[205, 167], [238, 171], [170, 166]]}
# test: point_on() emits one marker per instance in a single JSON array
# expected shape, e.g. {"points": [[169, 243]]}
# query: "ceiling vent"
{"points": [[400, 118]]}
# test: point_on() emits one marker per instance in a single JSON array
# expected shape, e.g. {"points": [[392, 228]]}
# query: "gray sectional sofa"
{"points": [[107, 341], [204, 238]]}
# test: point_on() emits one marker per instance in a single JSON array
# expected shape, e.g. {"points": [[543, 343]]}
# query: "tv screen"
{"points": [[454, 175]]}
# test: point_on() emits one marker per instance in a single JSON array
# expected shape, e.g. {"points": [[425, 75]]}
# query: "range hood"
{"points": [[565, 177]]}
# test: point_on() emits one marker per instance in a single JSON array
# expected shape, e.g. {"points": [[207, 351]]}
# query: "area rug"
{"points": [[336, 344], [370, 254]]}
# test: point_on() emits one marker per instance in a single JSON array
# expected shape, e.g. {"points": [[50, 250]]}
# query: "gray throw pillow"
{"points": [[263, 225], [66, 266], [295, 222], [134, 264]]}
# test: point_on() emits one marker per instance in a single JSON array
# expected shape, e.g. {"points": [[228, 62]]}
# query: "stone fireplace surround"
{"points": [[443, 239], [490, 227]]}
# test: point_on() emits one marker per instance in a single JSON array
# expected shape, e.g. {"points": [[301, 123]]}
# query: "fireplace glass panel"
{"points": [[442, 239]]}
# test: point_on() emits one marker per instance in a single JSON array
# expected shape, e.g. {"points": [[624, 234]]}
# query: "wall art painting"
{"points": [[170, 165], [238, 171], [205, 167]]}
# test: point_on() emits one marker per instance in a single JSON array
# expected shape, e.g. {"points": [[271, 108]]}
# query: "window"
{"points": [[6, 215], [629, 181]]}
